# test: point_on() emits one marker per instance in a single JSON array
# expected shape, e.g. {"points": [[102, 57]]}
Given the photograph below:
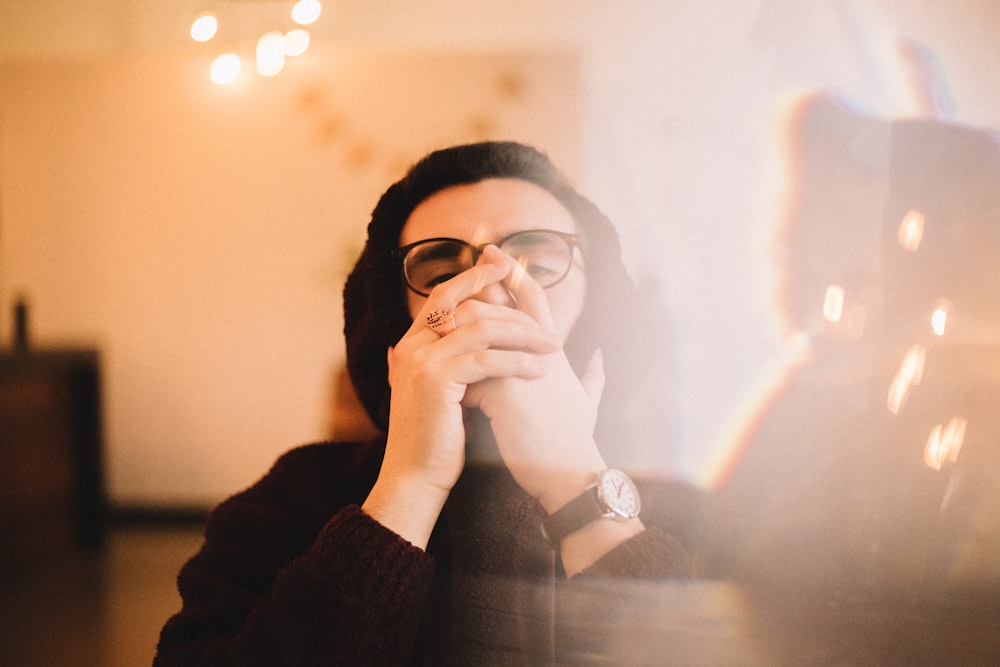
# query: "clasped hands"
{"points": [[505, 358]]}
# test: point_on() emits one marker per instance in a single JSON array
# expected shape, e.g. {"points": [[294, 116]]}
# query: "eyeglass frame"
{"points": [[572, 241]]}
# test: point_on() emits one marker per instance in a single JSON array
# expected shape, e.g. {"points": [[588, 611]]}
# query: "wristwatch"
{"points": [[612, 496]]}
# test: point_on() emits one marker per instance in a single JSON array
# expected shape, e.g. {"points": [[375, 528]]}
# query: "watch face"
{"points": [[618, 494]]}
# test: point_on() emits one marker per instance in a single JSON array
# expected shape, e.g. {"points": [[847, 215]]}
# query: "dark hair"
{"points": [[375, 303]]}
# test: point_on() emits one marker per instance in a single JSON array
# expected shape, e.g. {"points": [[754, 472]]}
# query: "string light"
{"points": [[305, 12], [272, 46], [270, 53], [225, 69], [296, 42], [204, 28]]}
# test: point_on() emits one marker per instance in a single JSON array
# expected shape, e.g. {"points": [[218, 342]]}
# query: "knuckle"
{"points": [[482, 357]]}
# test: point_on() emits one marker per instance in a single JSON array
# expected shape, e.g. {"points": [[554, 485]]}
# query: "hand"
{"points": [[429, 375], [544, 424]]}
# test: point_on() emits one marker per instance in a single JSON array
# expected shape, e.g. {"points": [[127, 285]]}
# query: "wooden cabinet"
{"points": [[51, 473]]}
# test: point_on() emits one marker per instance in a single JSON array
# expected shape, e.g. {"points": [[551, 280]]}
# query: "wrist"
{"points": [[567, 486], [611, 494], [584, 547], [409, 508], [574, 474]]}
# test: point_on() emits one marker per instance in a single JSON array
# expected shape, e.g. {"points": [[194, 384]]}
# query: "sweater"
{"points": [[292, 572]]}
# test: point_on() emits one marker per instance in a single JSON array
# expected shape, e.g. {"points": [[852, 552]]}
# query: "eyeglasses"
{"points": [[546, 256]]}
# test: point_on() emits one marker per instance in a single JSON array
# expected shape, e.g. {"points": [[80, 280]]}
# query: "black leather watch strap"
{"points": [[572, 516]]}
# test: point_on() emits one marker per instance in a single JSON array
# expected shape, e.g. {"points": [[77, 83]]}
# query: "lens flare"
{"points": [[939, 318], [911, 230], [945, 442], [833, 303], [908, 375]]}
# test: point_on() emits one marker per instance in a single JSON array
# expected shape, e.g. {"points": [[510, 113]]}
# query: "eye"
{"points": [[545, 257], [430, 272], [541, 271], [435, 262], [431, 281]]}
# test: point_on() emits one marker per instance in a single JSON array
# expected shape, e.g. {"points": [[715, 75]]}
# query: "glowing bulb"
{"points": [[833, 303], [204, 28], [270, 53], [305, 12], [225, 69], [911, 230], [296, 42]]}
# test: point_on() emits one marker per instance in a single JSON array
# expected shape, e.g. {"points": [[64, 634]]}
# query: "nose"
{"points": [[494, 293]]}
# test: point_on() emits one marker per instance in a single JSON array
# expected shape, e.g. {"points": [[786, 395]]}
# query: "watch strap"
{"points": [[573, 516]]}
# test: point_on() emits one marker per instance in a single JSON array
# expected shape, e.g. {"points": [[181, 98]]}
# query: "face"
{"points": [[491, 210]]}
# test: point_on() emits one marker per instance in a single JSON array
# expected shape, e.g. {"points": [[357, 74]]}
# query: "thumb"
{"points": [[593, 378]]}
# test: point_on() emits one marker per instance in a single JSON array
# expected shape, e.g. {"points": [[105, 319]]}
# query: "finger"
{"points": [[528, 294], [507, 329], [482, 324], [441, 322], [490, 364], [449, 294]]}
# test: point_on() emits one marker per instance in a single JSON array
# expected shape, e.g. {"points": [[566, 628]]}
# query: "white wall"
{"points": [[681, 143], [200, 236]]}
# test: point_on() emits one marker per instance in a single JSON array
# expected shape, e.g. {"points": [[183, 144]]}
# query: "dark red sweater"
{"points": [[293, 573]]}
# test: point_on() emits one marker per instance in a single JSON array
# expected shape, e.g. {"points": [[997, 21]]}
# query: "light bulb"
{"points": [[270, 53], [305, 12], [296, 42], [204, 28], [225, 69]]}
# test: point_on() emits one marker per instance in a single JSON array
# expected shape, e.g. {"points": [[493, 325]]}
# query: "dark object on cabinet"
{"points": [[51, 479]]}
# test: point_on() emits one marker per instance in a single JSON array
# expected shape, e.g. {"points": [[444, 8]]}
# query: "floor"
{"points": [[103, 610]]}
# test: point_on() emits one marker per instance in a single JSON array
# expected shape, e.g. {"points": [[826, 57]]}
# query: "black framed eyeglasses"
{"points": [[546, 256]]}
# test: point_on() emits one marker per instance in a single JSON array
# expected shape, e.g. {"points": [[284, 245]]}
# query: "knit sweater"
{"points": [[292, 572]]}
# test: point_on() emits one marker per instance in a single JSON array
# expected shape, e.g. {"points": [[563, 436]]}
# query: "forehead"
{"points": [[485, 212]]}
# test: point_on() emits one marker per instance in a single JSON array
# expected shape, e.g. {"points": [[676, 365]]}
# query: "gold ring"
{"points": [[442, 322]]}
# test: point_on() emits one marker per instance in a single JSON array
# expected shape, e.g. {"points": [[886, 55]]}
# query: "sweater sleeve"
{"points": [[268, 589], [621, 606], [653, 554], [662, 550]]}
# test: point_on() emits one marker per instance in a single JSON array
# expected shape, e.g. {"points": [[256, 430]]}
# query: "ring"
{"points": [[442, 322]]}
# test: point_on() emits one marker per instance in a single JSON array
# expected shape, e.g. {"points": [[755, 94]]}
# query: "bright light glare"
{"points": [[909, 374], [945, 442], [833, 303], [270, 53], [296, 42], [911, 230], [204, 28], [225, 69], [305, 12], [939, 319]]}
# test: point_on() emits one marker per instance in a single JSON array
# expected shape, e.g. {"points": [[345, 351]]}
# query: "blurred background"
{"points": [[172, 249]]}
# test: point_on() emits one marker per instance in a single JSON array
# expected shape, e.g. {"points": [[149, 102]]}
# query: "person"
{"points": [[486, 317]]}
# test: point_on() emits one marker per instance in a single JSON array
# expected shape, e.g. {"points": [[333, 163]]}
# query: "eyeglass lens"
{"points": [[545, 257]]}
